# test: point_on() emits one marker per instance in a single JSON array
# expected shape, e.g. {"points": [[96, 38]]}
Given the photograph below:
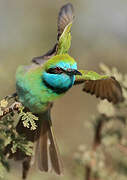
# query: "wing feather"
{"points": [[109, 89], [65, 17], [101, 91]]}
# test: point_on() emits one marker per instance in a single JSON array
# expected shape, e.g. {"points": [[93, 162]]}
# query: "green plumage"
{"points": [[90, 75], [65, 41], [30, 88]]}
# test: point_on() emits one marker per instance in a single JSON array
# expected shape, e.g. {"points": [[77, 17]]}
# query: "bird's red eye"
{"points": [[55, 70], [58, 70]]}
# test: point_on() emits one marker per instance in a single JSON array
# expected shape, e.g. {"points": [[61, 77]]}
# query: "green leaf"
{"points": [[29, 120]]}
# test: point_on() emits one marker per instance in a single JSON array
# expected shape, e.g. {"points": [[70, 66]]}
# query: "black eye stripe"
{"points": [[55, 70], [50, 70]]}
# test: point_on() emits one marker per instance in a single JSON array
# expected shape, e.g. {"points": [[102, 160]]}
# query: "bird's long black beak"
{"points": [[71, 72]]}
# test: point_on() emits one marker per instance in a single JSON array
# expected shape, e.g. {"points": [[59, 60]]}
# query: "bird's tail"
{"points": [[46, 155]]}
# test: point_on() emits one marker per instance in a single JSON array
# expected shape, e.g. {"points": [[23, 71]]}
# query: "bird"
{"points": [[48, 78]]}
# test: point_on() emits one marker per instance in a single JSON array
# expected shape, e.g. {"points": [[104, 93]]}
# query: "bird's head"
{"points": [[59, 73]]}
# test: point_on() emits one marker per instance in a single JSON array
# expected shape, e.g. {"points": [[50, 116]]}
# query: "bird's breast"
{"points": [[34, 94]]}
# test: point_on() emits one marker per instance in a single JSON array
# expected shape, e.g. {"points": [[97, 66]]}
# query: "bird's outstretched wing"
{"points": [[65, 19], [101, 86]]}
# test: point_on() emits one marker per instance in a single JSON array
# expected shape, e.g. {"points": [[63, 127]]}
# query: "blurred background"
{"points": [[99, 34]]}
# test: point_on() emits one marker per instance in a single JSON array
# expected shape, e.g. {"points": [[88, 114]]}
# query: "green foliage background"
{"points": [[28, 28]]}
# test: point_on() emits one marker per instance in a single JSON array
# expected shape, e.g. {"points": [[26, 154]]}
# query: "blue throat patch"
{"points": [[56, 90]]}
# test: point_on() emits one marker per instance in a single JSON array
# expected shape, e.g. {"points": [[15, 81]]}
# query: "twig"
{"points": [[96, 143], [87, 172], [98, 130], [10, 96]]}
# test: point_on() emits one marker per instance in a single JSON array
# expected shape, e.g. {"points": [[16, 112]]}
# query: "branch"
{"points": [[98, 130]]}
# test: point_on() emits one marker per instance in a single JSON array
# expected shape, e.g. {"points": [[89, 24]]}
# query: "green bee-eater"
{"points": [[48, 78]]}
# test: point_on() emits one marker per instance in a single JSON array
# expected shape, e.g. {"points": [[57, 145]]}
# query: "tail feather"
{"points": [[54, 152], [43, 149], [46, 152]]}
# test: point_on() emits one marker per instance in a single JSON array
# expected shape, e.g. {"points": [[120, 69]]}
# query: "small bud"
{"points": [[3, 103]]}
